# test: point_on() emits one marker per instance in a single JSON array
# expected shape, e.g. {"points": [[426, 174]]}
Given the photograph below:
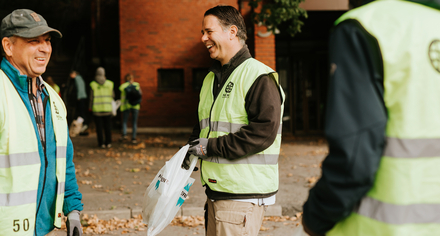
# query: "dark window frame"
{"points": [[197, 82], [170, 74]]}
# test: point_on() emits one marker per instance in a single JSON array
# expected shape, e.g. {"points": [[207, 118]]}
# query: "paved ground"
{"points": [[114, 180]]}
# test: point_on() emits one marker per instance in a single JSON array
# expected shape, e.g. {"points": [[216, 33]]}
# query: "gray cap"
{"points": [[26, 24]]}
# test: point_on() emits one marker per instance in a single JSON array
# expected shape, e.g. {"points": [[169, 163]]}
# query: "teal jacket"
{"points": [[47, 186]]}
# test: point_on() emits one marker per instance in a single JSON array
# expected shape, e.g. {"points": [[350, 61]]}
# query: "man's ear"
{"points": [[233, 30], [7, 46]]}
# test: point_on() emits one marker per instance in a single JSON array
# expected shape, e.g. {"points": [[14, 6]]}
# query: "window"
{"points": [[170, 79], [199, 75]]}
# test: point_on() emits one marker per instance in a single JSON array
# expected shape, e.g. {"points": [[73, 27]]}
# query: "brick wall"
{"points": [[264, 45], [159, 34]]}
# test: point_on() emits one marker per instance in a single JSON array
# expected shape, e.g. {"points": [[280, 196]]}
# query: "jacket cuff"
{"points": [[212, 145], [308, 230]]}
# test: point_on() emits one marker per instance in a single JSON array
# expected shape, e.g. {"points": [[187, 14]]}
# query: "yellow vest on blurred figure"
{"points": [[405, 197], [254, 174], [102, 96], [20, 160], [125, 105]]}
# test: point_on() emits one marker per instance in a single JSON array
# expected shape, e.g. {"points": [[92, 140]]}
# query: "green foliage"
{"points": [[276, 12]]}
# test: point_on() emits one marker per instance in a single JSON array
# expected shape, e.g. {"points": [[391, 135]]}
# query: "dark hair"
{"points": [[229, 16], [128, 77]]}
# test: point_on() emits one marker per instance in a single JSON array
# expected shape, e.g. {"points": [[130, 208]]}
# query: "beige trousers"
{"points": [[231, 218]]}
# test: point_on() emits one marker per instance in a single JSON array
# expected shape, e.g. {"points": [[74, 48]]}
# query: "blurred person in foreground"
{"points": [[38, 181], [131, 95], [382, 124], [239, 152]]}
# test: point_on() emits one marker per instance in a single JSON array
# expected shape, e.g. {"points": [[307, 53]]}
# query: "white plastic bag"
{"points": [[167, 192], [115, 106], [76, 126], [299, 231]]}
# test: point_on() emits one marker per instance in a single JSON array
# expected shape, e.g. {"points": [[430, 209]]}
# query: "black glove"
{"points": [[199, 147], [73, 224], [187, 162]]}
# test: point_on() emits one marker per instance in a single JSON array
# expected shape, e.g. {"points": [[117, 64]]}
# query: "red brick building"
{"points": [[160, 43]]}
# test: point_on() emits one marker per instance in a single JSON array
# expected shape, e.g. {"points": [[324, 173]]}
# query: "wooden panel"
{"points": [[324, 5]]}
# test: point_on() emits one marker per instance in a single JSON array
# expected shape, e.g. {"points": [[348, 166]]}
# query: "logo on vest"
{"points": [[59, 117], [228, 90], [434, 54]]}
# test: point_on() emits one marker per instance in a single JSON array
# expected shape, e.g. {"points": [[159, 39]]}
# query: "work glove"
{"points": [[199, 147], [73, 224]]}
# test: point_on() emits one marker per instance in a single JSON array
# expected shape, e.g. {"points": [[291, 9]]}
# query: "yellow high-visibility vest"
{"points": [[20, 160], [102, 96], [253, 174], [405, 197]]}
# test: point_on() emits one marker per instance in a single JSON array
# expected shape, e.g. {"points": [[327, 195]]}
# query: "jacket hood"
{"points": [[100, 75], [430, 3]]}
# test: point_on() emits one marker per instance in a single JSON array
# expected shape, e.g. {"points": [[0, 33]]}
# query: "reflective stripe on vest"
{"points": [[412, 148], [20, 164], [219, 126], [405, 197], [102, 96], [253, 174]]}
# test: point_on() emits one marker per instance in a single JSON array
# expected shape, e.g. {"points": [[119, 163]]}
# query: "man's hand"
{"points": [[199, 147], [73, 224]]}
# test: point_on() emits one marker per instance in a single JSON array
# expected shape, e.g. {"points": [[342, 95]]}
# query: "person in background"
{"points": [[81, 97], [101, 97], [38, 181], [50, 81], [381, 176], [128, 106], [239, 153]]}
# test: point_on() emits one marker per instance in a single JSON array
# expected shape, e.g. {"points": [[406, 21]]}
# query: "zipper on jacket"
{"points": [[45, 164]]}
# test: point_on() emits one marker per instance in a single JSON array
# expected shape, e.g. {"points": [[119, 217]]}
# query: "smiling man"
{"points": [[238, 135], [37, 174]]}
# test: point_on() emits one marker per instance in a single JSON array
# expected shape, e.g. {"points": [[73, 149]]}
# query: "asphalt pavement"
{"points": [[113, 181]]}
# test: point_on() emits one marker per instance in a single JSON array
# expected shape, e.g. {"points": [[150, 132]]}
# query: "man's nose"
{"points": [[45, 47], [204, 37]]}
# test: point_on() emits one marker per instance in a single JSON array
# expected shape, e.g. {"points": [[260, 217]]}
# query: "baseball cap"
{"points": [[26, 23]]}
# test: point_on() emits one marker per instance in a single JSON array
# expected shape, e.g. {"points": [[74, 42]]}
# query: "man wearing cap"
{"points": [[37, 174]]}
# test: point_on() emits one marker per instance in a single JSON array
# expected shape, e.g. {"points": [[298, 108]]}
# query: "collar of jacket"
{"points": [[242, 55], [429, 3], [19, 81]]}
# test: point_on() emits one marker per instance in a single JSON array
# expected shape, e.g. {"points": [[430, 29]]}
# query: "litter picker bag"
{"points": [[167, 192]]}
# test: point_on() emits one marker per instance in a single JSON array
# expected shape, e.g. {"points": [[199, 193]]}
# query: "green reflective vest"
{"points": [[125, 105], [20, 160], [102, 96], [405, 197], [253, 174]]}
